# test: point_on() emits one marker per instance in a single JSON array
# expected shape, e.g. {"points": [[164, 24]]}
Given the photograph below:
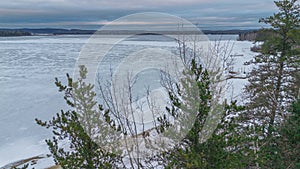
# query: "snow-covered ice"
{"points": [[28, 66]]}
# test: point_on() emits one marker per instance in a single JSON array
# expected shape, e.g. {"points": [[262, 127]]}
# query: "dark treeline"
{"points": [[55, 31], [256, 35], [14, 33]]}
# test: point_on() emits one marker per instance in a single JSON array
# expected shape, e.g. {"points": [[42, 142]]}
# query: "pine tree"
{"points": [[193, 94], [289, 141], [73, 145], [273, 82]]}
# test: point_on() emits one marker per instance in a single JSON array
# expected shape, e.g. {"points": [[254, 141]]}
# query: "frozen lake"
{"points": [[28, 66]]}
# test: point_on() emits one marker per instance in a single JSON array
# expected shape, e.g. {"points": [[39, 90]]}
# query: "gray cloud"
{"points": [[72, 13]]}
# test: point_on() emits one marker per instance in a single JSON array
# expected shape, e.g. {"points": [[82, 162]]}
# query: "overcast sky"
{"points": [[90, 14]]}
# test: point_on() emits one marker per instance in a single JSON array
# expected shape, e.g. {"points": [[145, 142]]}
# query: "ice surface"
{"points": [[28, 66]]}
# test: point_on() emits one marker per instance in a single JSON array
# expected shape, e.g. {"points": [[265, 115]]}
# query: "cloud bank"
{"points": [[212, 14]]}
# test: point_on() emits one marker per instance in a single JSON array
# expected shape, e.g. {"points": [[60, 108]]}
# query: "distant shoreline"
{"points": [[54, 31]]}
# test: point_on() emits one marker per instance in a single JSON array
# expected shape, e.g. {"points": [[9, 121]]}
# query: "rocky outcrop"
{"points": [[248, 36]]}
